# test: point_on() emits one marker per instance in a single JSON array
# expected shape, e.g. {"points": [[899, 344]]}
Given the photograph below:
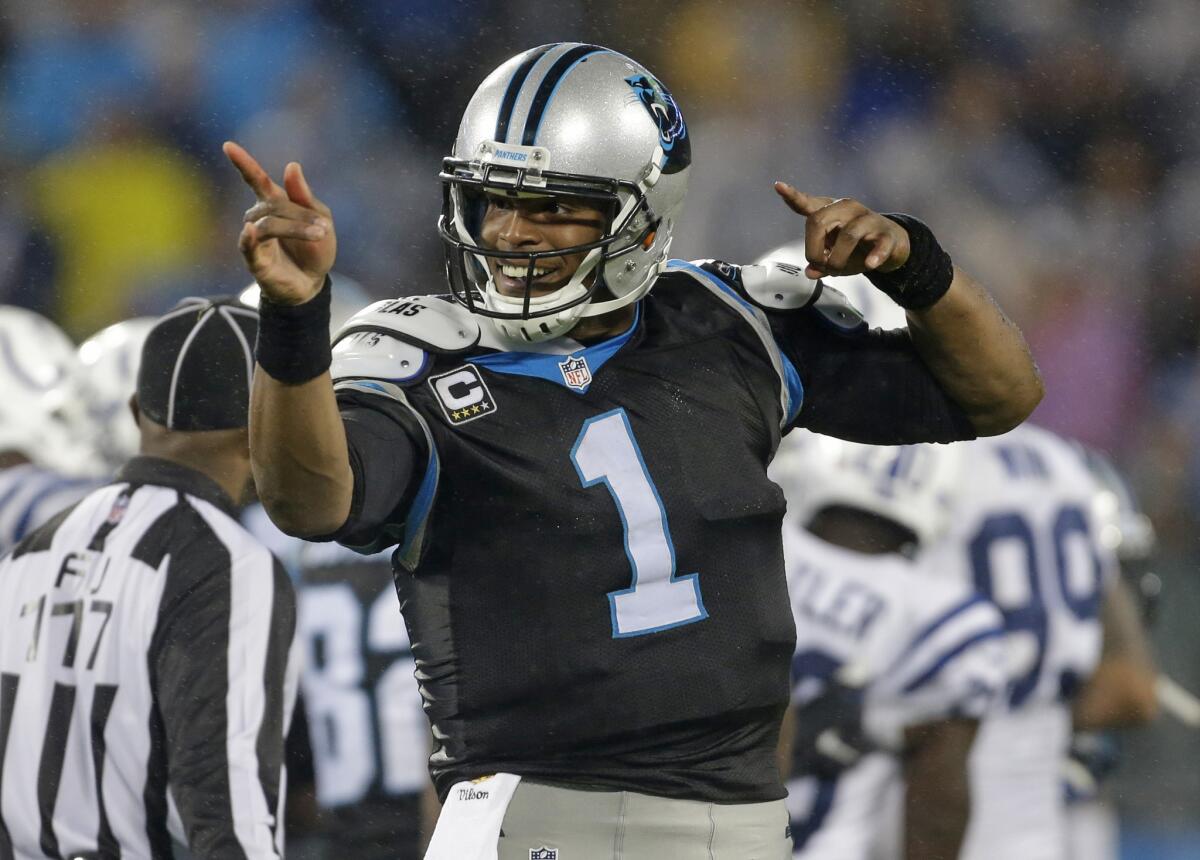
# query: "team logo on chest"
{"points": [[462, 394], [575, 372], [543, 853]]}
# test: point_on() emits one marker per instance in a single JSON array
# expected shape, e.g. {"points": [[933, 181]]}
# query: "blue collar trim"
{"points": [[584, 362]]}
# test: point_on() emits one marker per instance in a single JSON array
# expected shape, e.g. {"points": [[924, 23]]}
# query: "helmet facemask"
{"points": [[629, 227]]}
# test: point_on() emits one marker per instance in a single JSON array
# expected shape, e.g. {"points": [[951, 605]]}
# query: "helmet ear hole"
{"points": [[649, 240]]}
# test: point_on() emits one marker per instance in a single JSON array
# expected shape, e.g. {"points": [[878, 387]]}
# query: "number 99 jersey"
{"points": [[1024, 536]]}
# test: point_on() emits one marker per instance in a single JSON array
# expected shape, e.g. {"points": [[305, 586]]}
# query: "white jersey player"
{"points": [[45, 462], [927, 652], [108, 362], [1122, 692], [1025, 535]]}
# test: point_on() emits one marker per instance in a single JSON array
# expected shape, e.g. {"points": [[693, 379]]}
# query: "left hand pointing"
{"points": [[844, 237]]}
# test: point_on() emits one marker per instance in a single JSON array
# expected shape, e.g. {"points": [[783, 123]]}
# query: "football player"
{"points": [[570, 452], [46, 463], [1025, 534], [369, 736], [1036, 534], [927, 653], [109, 362], [1029, 534], [1121, 692]]}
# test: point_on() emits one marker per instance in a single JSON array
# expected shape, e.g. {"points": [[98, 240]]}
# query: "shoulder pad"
{"points": [[427, 322], [779, 286], [391, 340], [836, 310]]}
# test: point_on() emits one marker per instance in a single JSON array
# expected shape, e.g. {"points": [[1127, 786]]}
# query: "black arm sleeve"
{"points": [[387, 450], [867, 386]]}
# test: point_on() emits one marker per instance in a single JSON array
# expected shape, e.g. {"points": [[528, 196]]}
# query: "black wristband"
{"points": [[926, 274], [293, 340]]}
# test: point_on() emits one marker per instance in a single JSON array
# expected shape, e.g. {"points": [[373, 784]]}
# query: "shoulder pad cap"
{"points": [[779, 286], [391, 340], [836, 310]]}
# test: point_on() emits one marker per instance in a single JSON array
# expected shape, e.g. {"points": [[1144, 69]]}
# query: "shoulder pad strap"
{"points": [[836, 310], [391, 340], [374, 387], [779, 286]]}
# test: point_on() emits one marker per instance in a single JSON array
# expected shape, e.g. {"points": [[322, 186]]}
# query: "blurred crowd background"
{"points": [[1053, 145]]}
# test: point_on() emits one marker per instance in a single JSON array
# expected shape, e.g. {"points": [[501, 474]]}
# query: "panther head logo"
{"points": [[672, 130]]}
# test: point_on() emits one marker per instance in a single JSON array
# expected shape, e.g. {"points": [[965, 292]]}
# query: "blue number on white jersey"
{"points": [[606, 452], [1021, 589]]}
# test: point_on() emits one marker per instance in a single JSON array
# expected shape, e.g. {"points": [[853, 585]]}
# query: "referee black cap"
{"points": [[196, 365]]}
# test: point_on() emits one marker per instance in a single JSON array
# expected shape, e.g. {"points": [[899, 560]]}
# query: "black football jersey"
{"points": [[590, 563], [369, 737]]}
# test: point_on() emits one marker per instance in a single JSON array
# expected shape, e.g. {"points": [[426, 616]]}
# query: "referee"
{"points": [[146, 679]]}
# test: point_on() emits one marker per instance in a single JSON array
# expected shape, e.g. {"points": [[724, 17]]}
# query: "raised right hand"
{"points": [[287, 240]]}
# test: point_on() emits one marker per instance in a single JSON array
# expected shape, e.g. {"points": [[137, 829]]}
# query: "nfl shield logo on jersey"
{"points": [[117, 512], [543, 853], [575, 372]]}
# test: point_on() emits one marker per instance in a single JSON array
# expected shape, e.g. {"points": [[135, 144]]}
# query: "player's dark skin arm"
{"points": [[973, 350], [1121, 692], [298, 449], [937, 800]]}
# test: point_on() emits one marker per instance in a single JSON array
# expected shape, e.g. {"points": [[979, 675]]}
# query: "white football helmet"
{"points": [[913, 485], [876, 308], [109, 362], [42, 414], [1123, 526], [566, 120]]}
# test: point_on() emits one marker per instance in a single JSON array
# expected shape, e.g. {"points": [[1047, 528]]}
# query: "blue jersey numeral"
{"points": [[657, 599], [1022, 598]]}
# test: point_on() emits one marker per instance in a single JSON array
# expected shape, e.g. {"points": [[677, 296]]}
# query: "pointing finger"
{"points": [[798, 201], [252, 173]]}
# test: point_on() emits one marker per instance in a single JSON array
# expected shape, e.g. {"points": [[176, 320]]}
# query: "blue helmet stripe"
{"points": [[514, 89], [549, 84]]}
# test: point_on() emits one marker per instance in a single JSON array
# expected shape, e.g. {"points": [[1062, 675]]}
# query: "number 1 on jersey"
{"points": [[607, 453]]}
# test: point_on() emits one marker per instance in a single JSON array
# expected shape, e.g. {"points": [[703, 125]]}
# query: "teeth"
{"points": [[522, 271]]}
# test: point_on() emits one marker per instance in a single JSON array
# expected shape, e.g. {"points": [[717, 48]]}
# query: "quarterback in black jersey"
{"points": [[569, 451]]}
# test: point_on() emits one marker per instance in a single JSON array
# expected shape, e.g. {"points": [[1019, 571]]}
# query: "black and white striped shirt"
{"points": [[146, 677]]}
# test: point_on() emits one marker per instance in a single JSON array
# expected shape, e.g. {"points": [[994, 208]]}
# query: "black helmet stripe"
{"points": [[549, 83], [514, 89]]}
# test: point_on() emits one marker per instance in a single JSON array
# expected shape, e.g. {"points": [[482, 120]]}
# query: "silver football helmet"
{"points": [[566, 120]]}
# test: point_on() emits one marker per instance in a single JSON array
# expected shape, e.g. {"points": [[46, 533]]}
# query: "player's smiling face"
{"points": [[533, 224]]}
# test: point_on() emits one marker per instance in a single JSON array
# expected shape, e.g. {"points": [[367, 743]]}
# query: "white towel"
{"points": [[469, 826]]}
